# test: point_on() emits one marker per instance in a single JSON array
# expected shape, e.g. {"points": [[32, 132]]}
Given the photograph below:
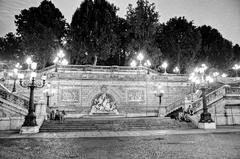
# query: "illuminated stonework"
{"points": [[103, 103]]}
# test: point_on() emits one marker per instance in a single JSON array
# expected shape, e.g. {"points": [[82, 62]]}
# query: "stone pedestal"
{"points": [[211, 125], [161, 112], [29, 130]]}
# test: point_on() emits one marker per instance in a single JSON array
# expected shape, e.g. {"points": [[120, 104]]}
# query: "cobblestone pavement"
{"points": [[185, 146]]}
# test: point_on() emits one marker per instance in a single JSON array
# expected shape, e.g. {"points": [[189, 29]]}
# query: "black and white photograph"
{"points": [[119, 79]]}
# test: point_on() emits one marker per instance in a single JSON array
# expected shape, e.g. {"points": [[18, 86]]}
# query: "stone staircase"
{"points": [[223, 103], [214, 94], [12, 104], [114, 124]]}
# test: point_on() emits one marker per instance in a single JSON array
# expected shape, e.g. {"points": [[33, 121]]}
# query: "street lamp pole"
{"points": [[48, 93], [59, 60], [29, 62], [164, 65], [205, 116], [14, 85], [15, 76], [140, 57], [199, 77], [236, 67], [30, 119], [176, 70], [148, 65], [159, 93]]}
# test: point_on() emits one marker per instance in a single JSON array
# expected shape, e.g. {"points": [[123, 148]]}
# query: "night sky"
{"points": [[223, 15]]}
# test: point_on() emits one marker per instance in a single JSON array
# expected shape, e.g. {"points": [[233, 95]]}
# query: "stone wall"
{"points": [[133, 90]]}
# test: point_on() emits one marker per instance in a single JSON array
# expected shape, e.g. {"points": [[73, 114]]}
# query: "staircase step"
{"points": [[112, 124]]}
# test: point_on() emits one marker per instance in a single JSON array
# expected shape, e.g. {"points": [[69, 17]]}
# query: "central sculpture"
{"points": [[103, 103]]}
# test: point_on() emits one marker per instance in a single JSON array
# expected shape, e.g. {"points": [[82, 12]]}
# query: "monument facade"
{"points": [[109, 90]]}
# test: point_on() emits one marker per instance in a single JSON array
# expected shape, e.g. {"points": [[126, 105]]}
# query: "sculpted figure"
{"points": [[103, 104]]}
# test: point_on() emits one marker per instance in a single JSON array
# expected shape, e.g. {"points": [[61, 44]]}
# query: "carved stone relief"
{"points": [[103, 103], [136, 95], [70, 95]]}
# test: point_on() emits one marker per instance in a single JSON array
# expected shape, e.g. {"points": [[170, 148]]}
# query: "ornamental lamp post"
{"points": [[215, 74], [29, 62], [140, 57], [224, 75], [236, 67], [133, 63], [176, 70], [200, 78], [30, 119], [14, 75], [159, 93], [165, 65], [48, 93], [148, 65], [59, 60]]}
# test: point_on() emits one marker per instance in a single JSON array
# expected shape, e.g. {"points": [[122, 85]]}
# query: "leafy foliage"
{"points": [[10, 47], [93, 32], [180, 43], [98, 36], [42, 29], [143, 21], [215, 50]]}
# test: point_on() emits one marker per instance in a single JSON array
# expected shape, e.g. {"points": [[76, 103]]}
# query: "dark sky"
{"points": [[223, 15]]}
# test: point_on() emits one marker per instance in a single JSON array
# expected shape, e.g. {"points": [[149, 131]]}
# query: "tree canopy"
{"points": [[42, 29], [93, 32], [97, 35], [10, 47], [180, 42], [215, 50], [143, 21]]}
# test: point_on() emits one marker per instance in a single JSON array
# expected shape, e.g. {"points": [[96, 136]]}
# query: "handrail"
{"points": [[4, 88], [14, 98], [106, 69], [233, 90], [175, 105], [210, 98], [198, 103]]}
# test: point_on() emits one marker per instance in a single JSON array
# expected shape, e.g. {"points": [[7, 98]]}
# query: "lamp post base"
{"points": [[29, 130], [30, 120], [206, 121], [211, 125], [205, 117]]}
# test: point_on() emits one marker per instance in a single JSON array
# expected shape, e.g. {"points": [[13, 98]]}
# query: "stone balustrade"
{"points": [[14, 99], [175, 105], [233, 91], [210, 98]]}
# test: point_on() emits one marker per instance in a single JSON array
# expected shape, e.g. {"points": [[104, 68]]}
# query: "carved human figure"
{"points": [[103, 104]]}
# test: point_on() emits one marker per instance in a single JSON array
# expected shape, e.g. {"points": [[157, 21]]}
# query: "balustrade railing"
{"points": [[104, 69], [14, 99], [210, 98], [233, 90], [175, 105]]}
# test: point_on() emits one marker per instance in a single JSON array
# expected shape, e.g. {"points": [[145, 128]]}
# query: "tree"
{"points": [[215, 50], [122, 41], [236, 53], [180, 42], [10, 47], [93, 32], [42, 29], [143, 21]]}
